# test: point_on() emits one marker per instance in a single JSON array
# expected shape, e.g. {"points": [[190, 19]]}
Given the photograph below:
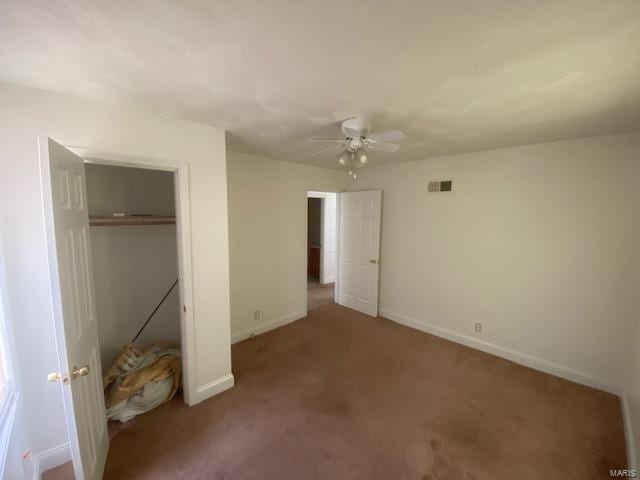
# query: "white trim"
{"points": [[49, 459], [525, 359], [8, 406], [632, 461], [336, 286], [265, 327], [105, 157], [322, 244], [212, 388], [183, 233], [318, 194], [311, 193], [10, 397]]}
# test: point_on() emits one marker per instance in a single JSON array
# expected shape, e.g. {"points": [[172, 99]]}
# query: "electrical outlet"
{"points": [[478, 327], [256, 314]]}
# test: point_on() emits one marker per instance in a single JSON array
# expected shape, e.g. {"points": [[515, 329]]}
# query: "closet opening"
{"points": [[136, 260]]}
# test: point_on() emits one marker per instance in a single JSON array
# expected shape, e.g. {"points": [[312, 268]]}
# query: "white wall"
{"points": [[538, 243], [26, 113], [268, 238], [133, 266], [112, 189], [19, 440]]}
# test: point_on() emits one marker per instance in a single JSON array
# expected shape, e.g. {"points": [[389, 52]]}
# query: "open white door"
{"points": [[67, 230], [359, 249]]}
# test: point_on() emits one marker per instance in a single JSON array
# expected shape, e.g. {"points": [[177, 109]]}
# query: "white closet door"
{"points": [[359, 250], [80, 374]]}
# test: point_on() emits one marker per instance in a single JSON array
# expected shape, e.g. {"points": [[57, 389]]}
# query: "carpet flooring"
{"points": [[319, 295], [339, 395]]}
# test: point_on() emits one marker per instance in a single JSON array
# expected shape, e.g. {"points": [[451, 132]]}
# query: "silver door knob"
{"points": [[373, 260], [80, 372]]}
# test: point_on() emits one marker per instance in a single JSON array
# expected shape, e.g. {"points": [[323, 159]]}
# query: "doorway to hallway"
{"points": [[321, 249]]}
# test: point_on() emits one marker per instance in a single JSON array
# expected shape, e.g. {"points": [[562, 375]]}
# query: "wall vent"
{"points": [[440, 186]]}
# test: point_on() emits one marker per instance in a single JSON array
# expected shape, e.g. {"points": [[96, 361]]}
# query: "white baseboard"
{"points": [[49, 459], [632, 461], [331, 279], [512, 355], [212, 388], [265, 327]]}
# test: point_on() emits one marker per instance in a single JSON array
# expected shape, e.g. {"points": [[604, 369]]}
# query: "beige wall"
{"points": [[538, 243], [27, 113], [268, 238], [133, 266]]}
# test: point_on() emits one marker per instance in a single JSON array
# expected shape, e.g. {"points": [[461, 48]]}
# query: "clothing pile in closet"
{"points": [[140, 380]]}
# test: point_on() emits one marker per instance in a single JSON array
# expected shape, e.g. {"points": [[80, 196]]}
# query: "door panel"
{"points": [[359, 250], [366, 235], [67, 229], [364, 284]]}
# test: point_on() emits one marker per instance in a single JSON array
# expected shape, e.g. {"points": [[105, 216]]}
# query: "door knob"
{"points": [[57, 377], [80, 372], [373, 260]]}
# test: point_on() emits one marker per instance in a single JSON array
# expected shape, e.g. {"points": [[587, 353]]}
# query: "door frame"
{"points": [[180, 169], [306, 241], [322, 199]]}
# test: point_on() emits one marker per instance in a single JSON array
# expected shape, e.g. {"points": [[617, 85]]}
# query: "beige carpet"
{"points": [[63, 472], [339, 395], [319, 295]]}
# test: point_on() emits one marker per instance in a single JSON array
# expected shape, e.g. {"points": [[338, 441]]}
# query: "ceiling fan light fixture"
{"points": [[343, 158], [357, 141]]}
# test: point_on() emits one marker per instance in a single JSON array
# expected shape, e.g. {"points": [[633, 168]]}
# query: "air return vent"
{"points": [[440, 186]]}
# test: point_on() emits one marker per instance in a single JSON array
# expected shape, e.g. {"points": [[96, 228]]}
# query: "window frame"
{"points": [[9, 395]]}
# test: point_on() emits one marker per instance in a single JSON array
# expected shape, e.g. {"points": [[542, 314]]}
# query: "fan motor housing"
{"points": [[354, 144], [357, 127]]}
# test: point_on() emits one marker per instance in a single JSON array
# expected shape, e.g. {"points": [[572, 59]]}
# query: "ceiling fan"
{"points": [[357, 140]]}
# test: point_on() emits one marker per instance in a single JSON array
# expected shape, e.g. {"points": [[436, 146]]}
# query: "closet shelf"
{"points": [[111, 221]]}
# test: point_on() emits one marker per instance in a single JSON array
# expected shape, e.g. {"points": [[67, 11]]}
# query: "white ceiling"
{"points": [[455, 76]]}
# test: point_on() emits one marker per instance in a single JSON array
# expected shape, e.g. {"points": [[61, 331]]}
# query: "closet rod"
{"points": [[155, 310]]}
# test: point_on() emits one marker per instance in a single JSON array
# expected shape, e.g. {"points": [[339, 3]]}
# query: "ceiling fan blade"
{"points": [[387, 136], [331, 148], [330, 140], [383, 146]]}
